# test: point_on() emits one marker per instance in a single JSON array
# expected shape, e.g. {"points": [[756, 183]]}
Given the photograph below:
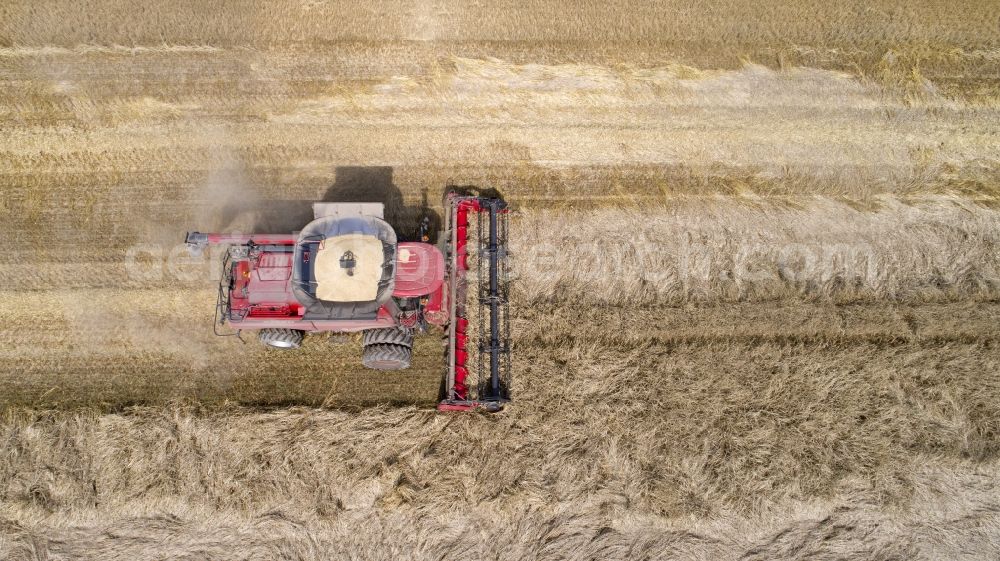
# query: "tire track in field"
{"points": [[111, 348]]}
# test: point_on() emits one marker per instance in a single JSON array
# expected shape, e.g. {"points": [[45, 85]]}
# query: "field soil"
{"points": [[756, 300]]}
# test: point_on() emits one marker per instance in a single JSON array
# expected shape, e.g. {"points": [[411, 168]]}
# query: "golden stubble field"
{"points": [[756, 310]]}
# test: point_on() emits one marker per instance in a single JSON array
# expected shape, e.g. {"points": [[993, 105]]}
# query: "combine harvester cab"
{"points": [[346, 272]]}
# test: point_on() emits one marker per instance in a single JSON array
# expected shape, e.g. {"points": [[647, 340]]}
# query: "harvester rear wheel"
{"points": [[386, 356], [281, 338]]}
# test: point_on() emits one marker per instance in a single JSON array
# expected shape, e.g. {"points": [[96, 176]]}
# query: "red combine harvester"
{"points": [[346, 272]]}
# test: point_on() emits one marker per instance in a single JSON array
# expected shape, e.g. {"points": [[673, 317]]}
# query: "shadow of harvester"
{"points": [[352, 184]]}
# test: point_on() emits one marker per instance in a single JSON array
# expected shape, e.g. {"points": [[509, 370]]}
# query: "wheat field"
{"points": [[756, 299]]}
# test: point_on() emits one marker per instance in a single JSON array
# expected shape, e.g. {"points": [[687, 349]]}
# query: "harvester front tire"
{"points": [[386, 356], [281, 338], [398, 335]]}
